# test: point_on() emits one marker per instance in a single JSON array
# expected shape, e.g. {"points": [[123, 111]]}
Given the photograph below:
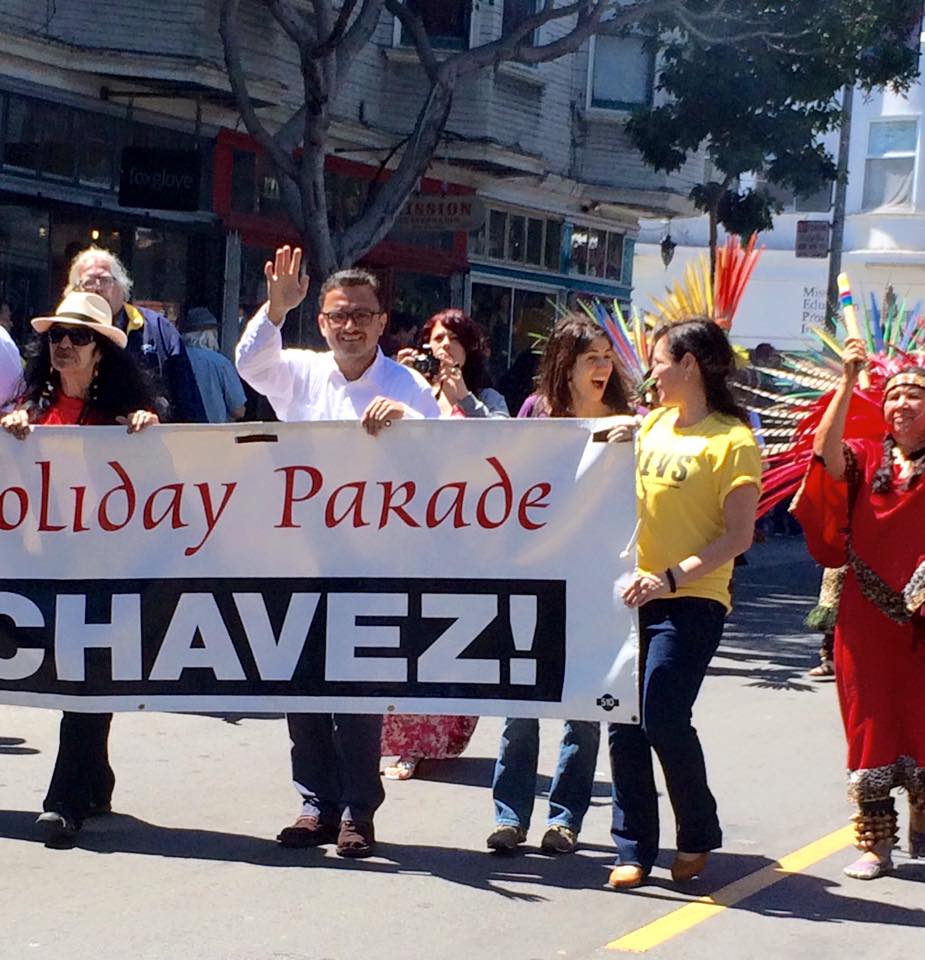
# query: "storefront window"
{"points": [[254, 185], [24, 277], [597, 252], [615, 257], [497, 227], [491, 309], [535, 242], [579, 259], [516, 239], [39, 138], [534, 315], [159, 270], [553, 250], [418, 295], [95, 150]]}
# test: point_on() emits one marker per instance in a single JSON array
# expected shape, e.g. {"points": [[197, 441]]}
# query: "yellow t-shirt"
{"points": [[683, 475]]}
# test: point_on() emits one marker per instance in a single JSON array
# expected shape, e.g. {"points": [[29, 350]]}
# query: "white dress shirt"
{"points": [[11, 381], [308, 385]]}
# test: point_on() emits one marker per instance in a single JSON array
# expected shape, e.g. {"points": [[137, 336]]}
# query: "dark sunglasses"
{"points": [[79, 336]]}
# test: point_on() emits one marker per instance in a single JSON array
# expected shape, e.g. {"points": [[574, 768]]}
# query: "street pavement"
{"points": [[188, 867]]}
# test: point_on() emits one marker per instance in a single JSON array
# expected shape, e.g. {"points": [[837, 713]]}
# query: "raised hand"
{"points": [[854, 360], [286, 284]]}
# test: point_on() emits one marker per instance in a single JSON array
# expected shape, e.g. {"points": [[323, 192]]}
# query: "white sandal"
{"points": [[403, 769]]}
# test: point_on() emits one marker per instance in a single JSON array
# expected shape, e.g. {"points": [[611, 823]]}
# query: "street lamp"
{"points": [[668, 247]]}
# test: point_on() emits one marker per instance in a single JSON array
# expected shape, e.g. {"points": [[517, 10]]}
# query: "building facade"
{"points": [[86, 88]]}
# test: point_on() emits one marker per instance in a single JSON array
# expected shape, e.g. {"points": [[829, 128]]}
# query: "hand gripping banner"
{"points": [[457, 567]]}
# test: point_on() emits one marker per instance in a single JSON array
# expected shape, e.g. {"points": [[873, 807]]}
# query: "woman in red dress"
{"points": [[462, 387], [880, 634], [80, 374]]}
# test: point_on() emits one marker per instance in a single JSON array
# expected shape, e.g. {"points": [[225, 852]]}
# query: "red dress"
{"points": [[426, 736], [879, 642]]}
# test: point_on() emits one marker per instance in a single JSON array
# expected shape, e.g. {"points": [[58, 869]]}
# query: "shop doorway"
{"points": [[515, 320]]}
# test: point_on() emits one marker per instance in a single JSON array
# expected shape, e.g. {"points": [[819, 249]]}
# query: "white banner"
{"points": [[461, 567]]}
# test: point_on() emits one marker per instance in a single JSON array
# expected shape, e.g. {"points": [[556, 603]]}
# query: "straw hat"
{"points": [[80, 309]]}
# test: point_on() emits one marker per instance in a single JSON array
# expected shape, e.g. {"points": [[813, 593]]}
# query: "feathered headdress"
{"points": [[698, 295], [803, 385]]}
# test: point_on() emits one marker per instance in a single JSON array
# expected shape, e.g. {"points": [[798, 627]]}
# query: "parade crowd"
{"points": [[100, 360]]}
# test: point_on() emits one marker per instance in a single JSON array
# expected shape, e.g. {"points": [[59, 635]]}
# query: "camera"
{"points": [[426, 363]]}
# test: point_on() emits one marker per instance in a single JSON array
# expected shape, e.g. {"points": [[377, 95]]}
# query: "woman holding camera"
{"points": [[454, 359]]}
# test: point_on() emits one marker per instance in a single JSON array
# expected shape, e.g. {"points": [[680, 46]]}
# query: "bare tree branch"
{"points": [[228, 29], [416, 158], [359, 34], [328, 41], [415, 27], [291, 20]]}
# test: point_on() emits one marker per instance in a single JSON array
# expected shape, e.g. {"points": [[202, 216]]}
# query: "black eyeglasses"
{"points": [[361, 318], [79, 336]]}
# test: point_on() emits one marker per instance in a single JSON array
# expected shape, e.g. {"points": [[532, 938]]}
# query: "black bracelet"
{"points": [[672, 583]]}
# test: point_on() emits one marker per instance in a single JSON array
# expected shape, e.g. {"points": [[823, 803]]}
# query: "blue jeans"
{"points": [[514, 784], [678, 640], [335, 764]]}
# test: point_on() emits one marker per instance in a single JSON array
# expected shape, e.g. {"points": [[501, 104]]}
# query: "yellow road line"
{"points": [[691, 914]]}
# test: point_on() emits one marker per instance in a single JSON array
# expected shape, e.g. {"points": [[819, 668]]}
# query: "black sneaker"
{"points": [[56, 830]]}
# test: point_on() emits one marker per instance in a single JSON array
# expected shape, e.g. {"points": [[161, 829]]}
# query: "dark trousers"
{"points": [[82, 777], [335, 764], [678, 639]]}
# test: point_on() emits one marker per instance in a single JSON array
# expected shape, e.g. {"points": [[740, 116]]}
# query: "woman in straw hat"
{"points": [[80, 373]]}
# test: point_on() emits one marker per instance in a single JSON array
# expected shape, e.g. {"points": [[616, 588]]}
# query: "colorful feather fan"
{"points": [[801, 387], [694, 297]]}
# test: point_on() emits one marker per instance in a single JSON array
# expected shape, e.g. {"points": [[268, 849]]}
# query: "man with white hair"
{"points": [[219, 384], [152, 338]]}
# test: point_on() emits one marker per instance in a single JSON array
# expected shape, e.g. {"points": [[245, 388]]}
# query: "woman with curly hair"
{"points": [[80, 373], [578, 377], [459, 369], [462, 387]]}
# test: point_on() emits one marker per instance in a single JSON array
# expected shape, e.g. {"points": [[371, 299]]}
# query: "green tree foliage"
{"points": [[757, 83]]}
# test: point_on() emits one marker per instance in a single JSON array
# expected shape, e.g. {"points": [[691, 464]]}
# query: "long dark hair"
{"points": [[119, 388], [470, 336], [706, 342], [571, 337]]}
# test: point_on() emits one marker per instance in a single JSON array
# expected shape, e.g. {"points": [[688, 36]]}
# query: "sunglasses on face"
{"points": [[79, 336]]}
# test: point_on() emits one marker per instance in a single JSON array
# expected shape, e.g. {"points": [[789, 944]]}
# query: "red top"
{"points": [[66, 412]]}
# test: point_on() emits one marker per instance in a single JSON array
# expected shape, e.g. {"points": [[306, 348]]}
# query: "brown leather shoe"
{"points": [[356, 839], [307, 831], [626, 876], [686, 868]]}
